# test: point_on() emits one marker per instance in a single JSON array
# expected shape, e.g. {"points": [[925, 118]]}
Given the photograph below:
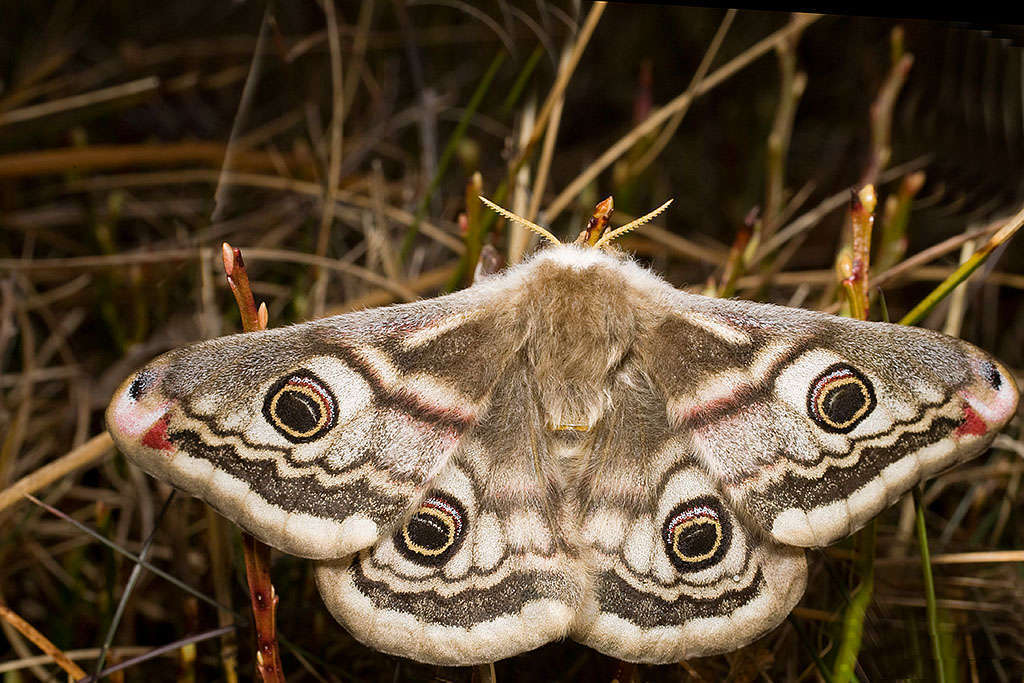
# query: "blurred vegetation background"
{"points": [[339, 145]]}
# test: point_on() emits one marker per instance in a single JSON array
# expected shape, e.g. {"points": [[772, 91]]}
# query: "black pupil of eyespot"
{"points": [[697, 534], [301, 407], [435, 533], [298, 410], [995, 378], [840, 399], [698, 539], [427, 531], [841, 403]]}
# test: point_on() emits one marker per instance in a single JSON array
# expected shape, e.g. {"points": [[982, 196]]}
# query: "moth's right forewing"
{"points": [[317, 438], [812, 424]]}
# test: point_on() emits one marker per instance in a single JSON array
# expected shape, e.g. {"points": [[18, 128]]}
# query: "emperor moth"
{"points": [[568, 448]]}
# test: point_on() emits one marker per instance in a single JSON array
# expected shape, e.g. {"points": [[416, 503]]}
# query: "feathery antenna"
{"points": [[606, 239], [631, 226], [520, 220]]}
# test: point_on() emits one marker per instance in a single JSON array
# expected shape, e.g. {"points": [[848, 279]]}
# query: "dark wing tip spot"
{"points": [[992, 374], [142, 382]]}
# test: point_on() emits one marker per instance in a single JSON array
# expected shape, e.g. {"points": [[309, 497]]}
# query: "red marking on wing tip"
{"points": [[156, 436], [973, 424]]}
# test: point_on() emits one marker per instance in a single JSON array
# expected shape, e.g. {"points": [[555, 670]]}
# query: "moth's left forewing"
{"points": [[317, 438], [813, 423]]}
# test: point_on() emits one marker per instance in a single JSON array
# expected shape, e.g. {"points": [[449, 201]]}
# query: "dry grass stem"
{"points": [[651, 123], [42, 642], [134, 149], [88, 453]]}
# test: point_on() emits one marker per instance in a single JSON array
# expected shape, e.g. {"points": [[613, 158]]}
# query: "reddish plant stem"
{"points": [[855, 260], [262, 595]]}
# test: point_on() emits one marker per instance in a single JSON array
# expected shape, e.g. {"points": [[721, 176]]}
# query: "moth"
{"points": [[569, 448]]}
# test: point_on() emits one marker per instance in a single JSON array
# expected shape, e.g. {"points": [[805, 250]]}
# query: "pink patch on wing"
{"points": [[432, 410], [715, 408], [973, 424], [156, 436]]}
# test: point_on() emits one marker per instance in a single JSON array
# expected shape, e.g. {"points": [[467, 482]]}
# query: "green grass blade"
{"points": [[947, 286], [931, 607]]}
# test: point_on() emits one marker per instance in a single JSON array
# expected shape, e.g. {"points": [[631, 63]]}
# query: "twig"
{"points": [[792, 87], [220, 570], [670, 128], [853, 272], [981, 557], [964, 271], [93, 157], [264, 608], [517, 237], [133, 579], [173, 580], [892, 242], [257, 554], [164, 255], [85, 653], [811, 218], [566, 70], [929, 588], [252, 77], [854, 260], [430, 280], [474, 232], [425, 120], [882, 107], [157, 651], [856, 610], [115, 92], [357, 62], [561, 82], [268, 182], [547, 153], [449, 151]]}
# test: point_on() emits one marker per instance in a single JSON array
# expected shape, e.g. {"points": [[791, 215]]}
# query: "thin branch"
{"points": [[131, 556], [156, 652], [257, 554], [133, 579]]}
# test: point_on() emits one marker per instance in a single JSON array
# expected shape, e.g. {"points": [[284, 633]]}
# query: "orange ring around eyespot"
{"points": [[308, 391], [834, 378], [448, 524], [677, 530], [836, 384]]}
